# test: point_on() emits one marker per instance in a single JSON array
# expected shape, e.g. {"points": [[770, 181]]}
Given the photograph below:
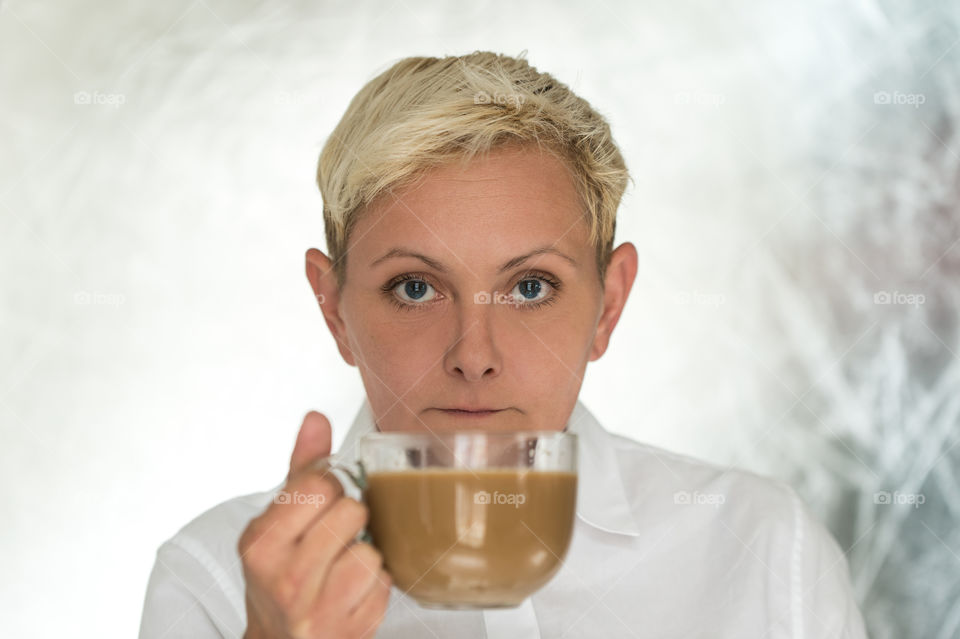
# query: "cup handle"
{"points": [[351, 476]]}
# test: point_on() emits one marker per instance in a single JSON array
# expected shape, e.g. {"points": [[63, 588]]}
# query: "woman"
{"points": [[470, 208]]}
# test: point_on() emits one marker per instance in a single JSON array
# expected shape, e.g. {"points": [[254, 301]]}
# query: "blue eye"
{"points": [[528, 289], [415, 289]]}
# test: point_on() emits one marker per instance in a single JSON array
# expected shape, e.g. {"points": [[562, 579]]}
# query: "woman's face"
{"points": [[503, 311]]}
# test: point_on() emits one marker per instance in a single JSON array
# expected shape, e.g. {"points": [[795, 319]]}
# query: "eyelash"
{"points": [[388, 288]]}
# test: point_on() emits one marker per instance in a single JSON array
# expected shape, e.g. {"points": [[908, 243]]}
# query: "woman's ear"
{"points": [[323, 281], [621, 271]]}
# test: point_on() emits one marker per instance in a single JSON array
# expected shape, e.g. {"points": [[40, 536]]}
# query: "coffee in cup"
{"points": [[469, 519]]}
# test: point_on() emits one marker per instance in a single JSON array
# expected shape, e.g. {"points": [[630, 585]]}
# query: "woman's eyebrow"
{"points": [[399, 251]]}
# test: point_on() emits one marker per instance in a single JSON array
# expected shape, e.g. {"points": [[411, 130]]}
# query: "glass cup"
{"points": [[466, 519]]}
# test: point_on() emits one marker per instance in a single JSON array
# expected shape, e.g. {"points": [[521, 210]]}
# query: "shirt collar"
{"points": [[601, 499]]}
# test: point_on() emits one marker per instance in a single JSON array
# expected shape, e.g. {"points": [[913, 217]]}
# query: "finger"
{"points": [[312, 558], [298, 505], [353, 574], [313, 442], [367, 617]]}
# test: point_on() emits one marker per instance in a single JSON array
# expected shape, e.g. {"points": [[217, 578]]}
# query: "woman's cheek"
{"points": [[406, 357]]}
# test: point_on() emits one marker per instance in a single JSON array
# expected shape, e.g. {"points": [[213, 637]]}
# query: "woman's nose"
{"points": [[474, 353]]}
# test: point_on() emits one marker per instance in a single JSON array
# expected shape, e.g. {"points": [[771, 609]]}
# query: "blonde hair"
{"points": [[423, 112]]}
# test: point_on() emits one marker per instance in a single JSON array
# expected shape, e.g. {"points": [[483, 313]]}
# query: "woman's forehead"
{"points": [[521, 199]]}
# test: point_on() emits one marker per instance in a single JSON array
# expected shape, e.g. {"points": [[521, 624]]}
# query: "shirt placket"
{"points": [[512, 623]]}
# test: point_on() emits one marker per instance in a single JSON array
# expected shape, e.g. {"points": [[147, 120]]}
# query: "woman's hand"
{"points": [[305, 575]]}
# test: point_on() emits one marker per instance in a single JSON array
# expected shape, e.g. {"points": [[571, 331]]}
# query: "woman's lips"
{"points": [[469, 413]]}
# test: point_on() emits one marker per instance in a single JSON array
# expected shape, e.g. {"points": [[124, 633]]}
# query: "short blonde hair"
{"points": [[423, 112]]}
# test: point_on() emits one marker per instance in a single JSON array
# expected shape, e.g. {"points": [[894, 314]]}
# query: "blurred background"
{"points": [[795, 207]]}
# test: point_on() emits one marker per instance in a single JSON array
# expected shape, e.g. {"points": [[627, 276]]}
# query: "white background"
{"points": [[795, 166]]}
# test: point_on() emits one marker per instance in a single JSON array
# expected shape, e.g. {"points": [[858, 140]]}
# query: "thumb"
{"points": [[313, 442]]}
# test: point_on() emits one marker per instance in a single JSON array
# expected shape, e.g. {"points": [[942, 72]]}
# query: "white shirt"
{"points": [[664, 546]]}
